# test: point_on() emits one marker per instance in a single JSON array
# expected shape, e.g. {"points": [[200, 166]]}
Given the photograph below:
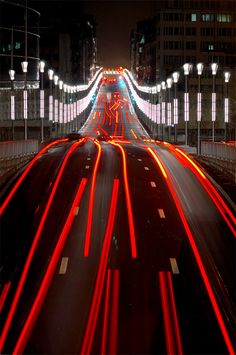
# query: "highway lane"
{"points": [[112, 301], [26, 206], [212, 235]]}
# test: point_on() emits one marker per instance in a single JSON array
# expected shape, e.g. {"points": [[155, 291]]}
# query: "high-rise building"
{"points": [[186, 31], [189, 32]]}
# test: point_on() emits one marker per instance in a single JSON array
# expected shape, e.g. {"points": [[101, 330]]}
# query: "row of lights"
{"points": [[174, 79], [55, 105]]}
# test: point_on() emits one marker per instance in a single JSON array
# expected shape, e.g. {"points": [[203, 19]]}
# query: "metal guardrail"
{"points": [[224, 151], [12, 149]]}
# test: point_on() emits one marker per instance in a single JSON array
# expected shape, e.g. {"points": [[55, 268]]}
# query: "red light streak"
{"points": [[91, 201], [114, 313], [215, 196], [106, 313], [33, 247], [133, 134], [103, 130], [97, 295], [4, 294], [170, 346], [174, 313], [158, 162], [25, 172], [127, 116], [32, 317], [200, 265], [128, 203]]}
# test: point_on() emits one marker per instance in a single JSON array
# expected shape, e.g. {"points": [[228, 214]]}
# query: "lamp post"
{"points": [[187, 67], [226, 103], [158, 108], [24, 66], [214, 67], [60, 106], [163, 107], [12, 77], [50, 99], [169, 85], [41, 100], [199, 107], [175, 76], [65, 113], [56, 80], [77, 107]]}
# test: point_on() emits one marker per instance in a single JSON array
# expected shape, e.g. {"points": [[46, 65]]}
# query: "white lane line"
{"points": [[174, 266], [146, 168], [86, 166], [76, 210], [63, 267], [153, 184], [88, 158], [139, 159], [161, 213]]}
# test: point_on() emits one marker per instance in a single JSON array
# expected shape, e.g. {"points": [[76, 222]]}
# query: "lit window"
{"points": [[224, 18], [210, 47], [17, 45], [194, 17], [207, 17]]}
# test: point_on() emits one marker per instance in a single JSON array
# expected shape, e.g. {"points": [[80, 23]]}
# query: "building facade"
{"points": [[190, 32]]}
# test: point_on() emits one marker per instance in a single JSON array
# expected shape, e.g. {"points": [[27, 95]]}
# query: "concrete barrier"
{"points": [[11, 149], [224, 151]]}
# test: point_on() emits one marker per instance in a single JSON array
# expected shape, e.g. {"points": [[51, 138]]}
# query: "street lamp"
{"points": [[158, 109], [50, 100], [24, 66], [41, 100], [163, 107], [77, 107], [175, 76], [226, 103], [56, 80], [169, 82], [187, 67], [199, 106], [60, 106], [65, 114], [12, 77], [214, 67]]}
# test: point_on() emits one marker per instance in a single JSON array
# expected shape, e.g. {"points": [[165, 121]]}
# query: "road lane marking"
{"points": [[153, 184], [174, 266], [76, 210], [161, 213], [86, 166], [146, 168], [63, 267], [88, 158], [139, 159]]}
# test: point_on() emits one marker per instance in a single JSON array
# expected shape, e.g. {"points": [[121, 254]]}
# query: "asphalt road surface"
{"points": [[114, 243]]}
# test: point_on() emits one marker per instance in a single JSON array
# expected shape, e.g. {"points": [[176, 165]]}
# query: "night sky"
{"points": [[114, 19]]}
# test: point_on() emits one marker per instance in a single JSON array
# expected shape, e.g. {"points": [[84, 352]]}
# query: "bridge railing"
{"points": [[224, 151]]}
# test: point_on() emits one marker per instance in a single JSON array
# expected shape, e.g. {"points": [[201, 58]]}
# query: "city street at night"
{"points": [[117, 177], [119, 244]]}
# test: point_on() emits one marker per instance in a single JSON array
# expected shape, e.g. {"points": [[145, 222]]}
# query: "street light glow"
{"points": [[200, 68], [175, 76], [24, 66], [41, 66], [169, 83], [50, 74], [187, 67], [214, 67], [227, 76], [12, 74], [56, 78]]}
